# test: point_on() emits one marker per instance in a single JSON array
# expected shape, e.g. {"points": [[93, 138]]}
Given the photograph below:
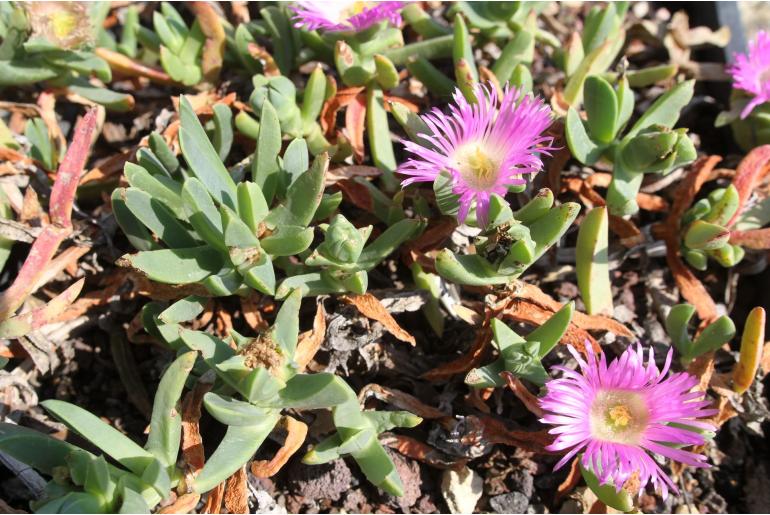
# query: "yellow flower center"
{"points": [[341, 11], [63, 24], [618, 416], [478, 167], [358, 7]]}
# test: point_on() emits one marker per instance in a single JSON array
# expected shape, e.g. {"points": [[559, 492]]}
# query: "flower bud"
{"points": [[658, 150], [343, 242], [282, 94]]}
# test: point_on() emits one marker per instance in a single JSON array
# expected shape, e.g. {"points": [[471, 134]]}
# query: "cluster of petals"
{"points": [[336, 16], [617, 414], [486, 146], [751, 72]]}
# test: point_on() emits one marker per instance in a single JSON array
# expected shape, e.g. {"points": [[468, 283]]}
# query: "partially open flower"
{"points": [[344, 16], [617, 414], [63, 24], [751, 72], [485, 146]]}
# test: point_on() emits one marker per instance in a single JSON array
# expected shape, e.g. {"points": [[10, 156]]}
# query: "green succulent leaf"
{"points": [[236, 448], [601, 105], [111, 441], [607, 493], [677, 323], [592, 262], [202, 158], [580, 144], [265, 169], [552, 331], [702, 235], [302, 198], [665, 110], [166, 422], [232, 412], [177, 266]]}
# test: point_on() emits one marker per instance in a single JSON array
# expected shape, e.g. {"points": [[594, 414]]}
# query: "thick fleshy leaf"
{"points": [[601, 105], [166, 423], [302, 197], [236, 448], [265, 169], [592, 262], [677, 327], [232, 412], [580, 144], [665, 110], [203, 214], [158, 218], [202, 158], [108, 439], [550, 332], [177, 266]]}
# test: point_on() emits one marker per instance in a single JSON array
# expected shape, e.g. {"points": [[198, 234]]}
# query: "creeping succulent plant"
{"points": [[511, 242], [216, 233], [257, 378], [713, 336], [521, 356], [651, 145], [83, 482]]}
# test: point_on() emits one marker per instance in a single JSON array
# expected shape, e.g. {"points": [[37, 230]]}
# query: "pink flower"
{"points": [[751, 72], [485, 146], [341, 16], [618, 414]]}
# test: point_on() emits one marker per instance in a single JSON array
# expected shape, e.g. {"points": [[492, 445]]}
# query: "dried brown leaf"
{"points": [[401, 400], [758, 239], [420, 451], [296, 431], [237, 492], [310, 341], [260, 53], [133, 68], [465, 362], [330, 108], [357, 194], [192, 443], [214, 499], [750, 171], [184, 504], [214, 47], [524, 395], [371, 307], [571, 481], [495, 431], [355, 124]]}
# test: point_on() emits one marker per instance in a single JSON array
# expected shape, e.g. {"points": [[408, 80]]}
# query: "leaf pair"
{"points": [[512, 241]]}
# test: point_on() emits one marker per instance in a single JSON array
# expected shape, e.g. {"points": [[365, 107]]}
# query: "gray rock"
{"points": [[512, 502]]}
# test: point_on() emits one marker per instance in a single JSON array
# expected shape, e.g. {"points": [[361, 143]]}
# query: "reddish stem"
{"points": [[70, 170], [60, 208]]}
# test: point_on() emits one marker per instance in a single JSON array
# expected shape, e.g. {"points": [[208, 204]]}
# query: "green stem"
{"points": [[436, 48]]}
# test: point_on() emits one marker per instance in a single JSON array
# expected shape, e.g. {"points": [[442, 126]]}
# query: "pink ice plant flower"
{"points": [[344, 16], [618, 414], [751, 72], [485, 146]]}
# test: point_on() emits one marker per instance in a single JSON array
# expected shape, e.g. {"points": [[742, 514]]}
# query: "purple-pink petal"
{"points": [[506, 131], [751, 72], [318, 15], [666, 414]]}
